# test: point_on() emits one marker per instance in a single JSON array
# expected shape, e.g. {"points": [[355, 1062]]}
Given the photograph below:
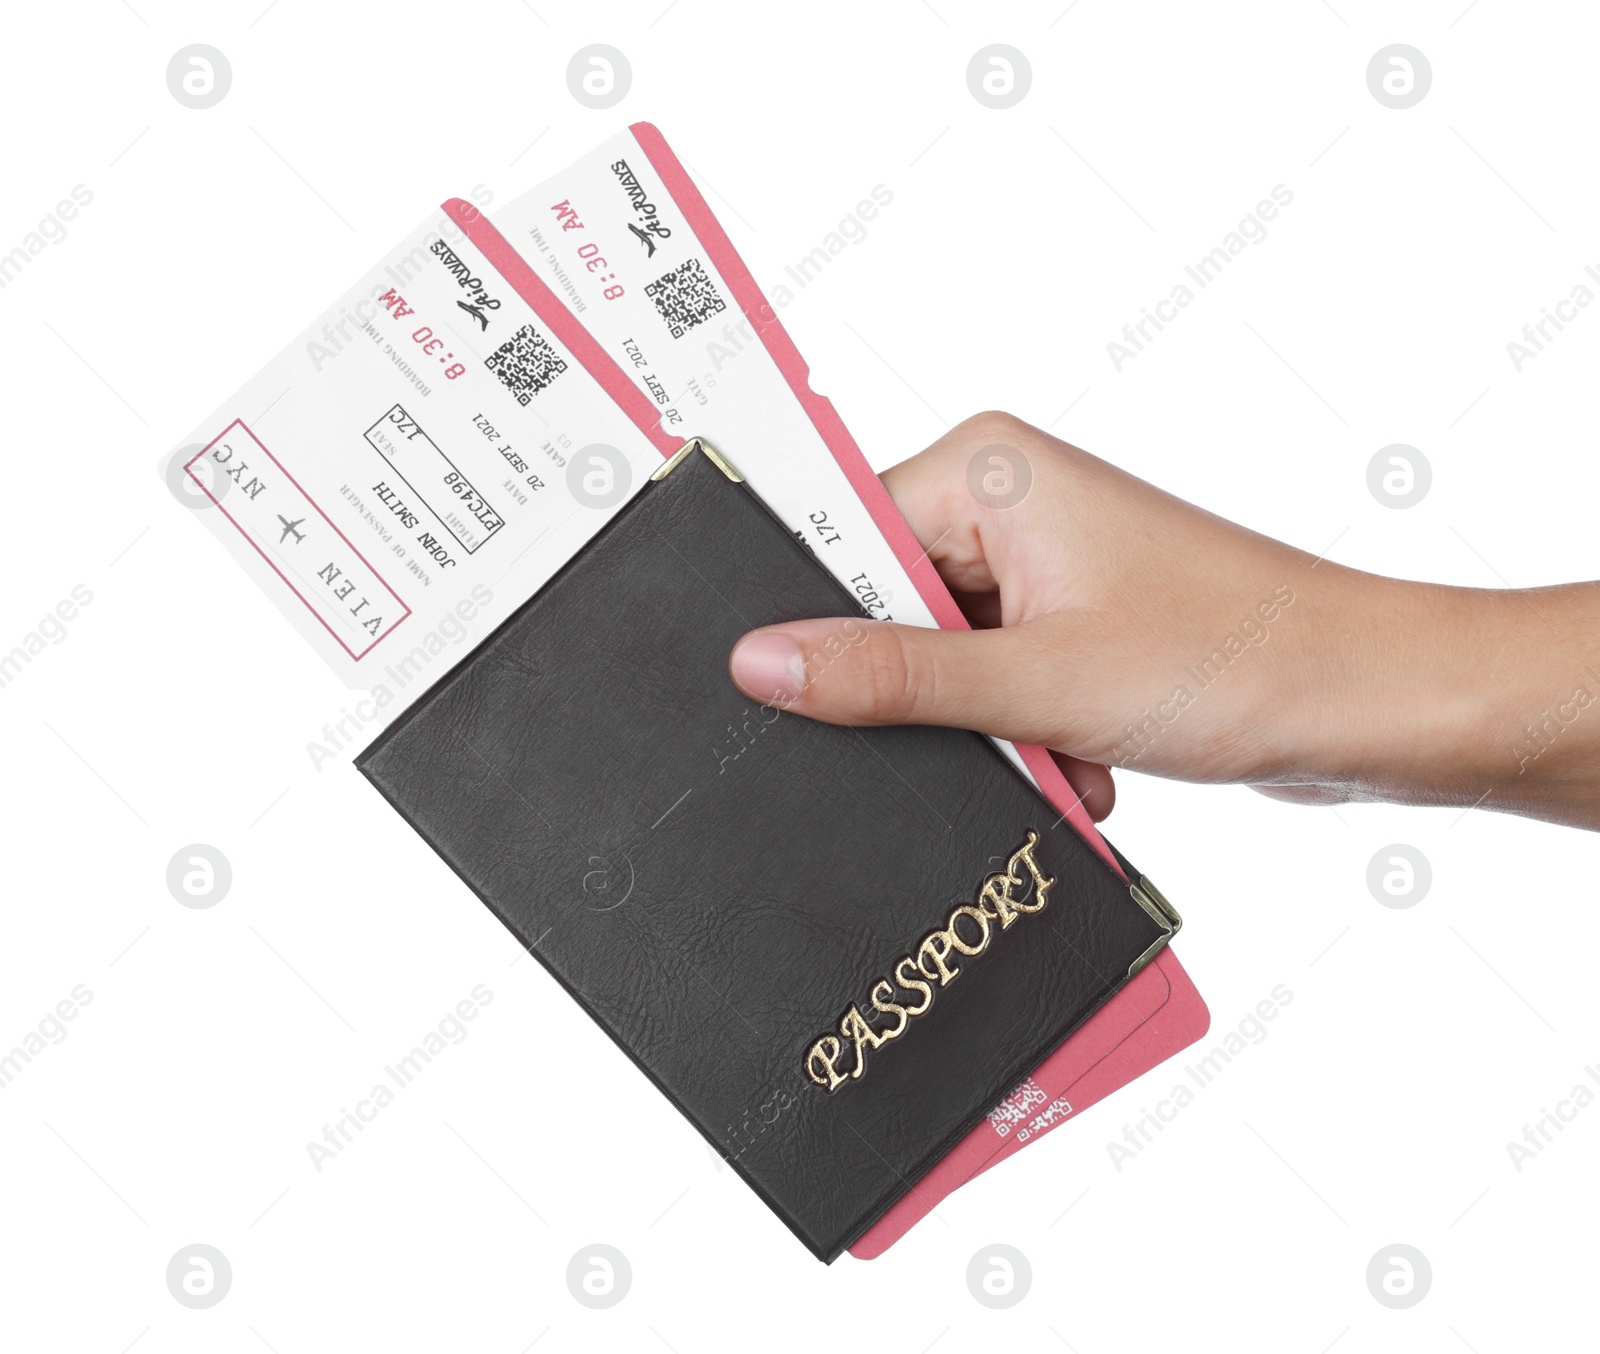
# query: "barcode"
{"points": [[685, 297], [526, 363]]}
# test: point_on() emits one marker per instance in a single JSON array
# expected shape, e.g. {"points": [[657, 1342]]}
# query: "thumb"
{"points": [[851, 671]]}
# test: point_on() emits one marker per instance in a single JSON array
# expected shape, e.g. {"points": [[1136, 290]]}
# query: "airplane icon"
{"points": [[289, 529]]}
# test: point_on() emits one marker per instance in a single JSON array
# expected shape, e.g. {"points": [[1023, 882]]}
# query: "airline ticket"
{"points": [[429, 448]]}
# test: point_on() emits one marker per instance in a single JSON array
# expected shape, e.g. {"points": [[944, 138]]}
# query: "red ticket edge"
{"points": [[561, 322]]}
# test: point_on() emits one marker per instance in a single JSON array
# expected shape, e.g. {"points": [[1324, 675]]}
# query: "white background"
{"points": [[179, 706]]}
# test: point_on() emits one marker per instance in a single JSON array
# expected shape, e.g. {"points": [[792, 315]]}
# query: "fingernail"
{"points": [[769, 667]]}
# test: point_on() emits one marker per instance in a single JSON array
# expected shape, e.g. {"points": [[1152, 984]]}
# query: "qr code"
{"points": [[526, 364], [685, 297]]}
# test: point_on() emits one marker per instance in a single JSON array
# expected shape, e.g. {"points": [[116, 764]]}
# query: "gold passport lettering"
{"points": [[1018, 889]]}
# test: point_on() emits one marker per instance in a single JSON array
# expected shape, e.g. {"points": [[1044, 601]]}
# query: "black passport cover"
{"points": [[717, 883]]}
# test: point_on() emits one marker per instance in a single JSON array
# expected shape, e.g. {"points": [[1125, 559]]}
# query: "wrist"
{"points": [[1541, 680], [1442, 695], [1425, 708]]}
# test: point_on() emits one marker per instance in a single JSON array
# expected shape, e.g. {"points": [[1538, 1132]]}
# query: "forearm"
{"points": [[1462, 696]]}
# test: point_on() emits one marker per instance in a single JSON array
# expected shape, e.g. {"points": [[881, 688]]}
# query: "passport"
{"points": [[833, 949]]}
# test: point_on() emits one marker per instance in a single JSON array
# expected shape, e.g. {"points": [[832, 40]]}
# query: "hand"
{"points": [[1120, 626]]}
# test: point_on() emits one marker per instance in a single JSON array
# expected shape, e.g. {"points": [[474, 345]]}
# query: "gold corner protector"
{"points": [[1153, 901], [1160, 911], [721, 462], [687, 450], [674, 461]]}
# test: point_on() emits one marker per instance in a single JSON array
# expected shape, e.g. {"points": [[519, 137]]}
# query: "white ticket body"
{"points": [[626, 241], [429, 450], [613, 241]]}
